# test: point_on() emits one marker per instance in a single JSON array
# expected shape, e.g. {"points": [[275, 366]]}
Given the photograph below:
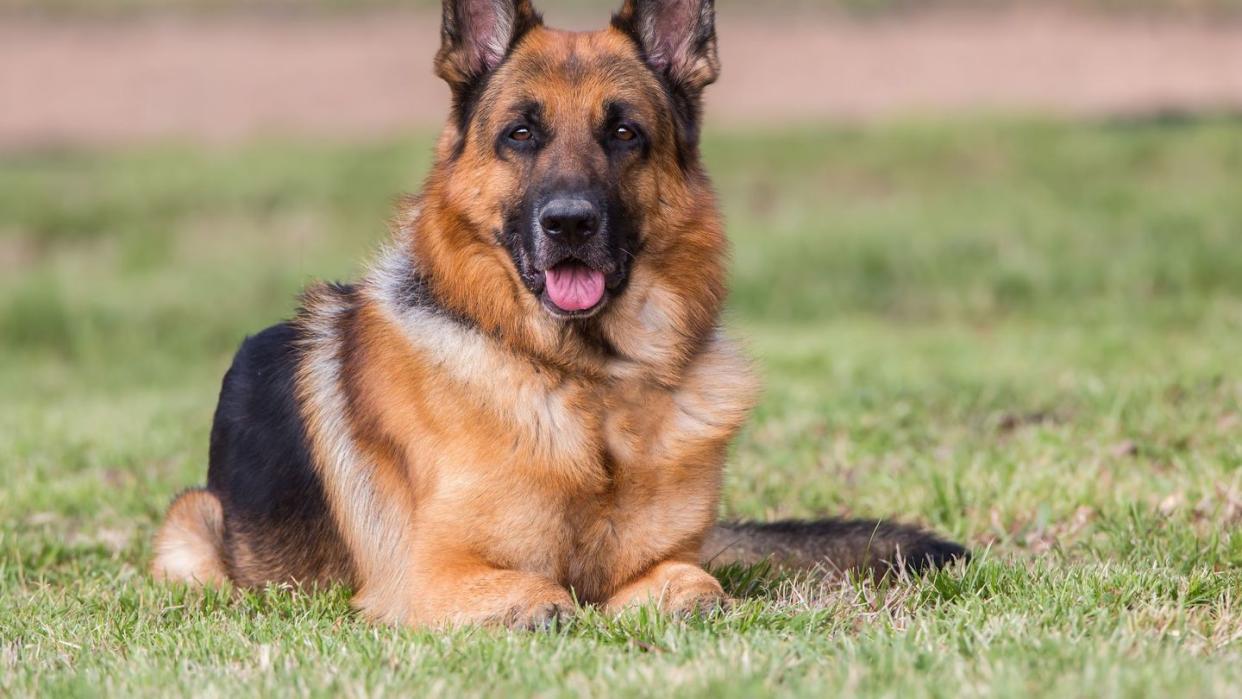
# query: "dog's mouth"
{"points": [[573, 289]]}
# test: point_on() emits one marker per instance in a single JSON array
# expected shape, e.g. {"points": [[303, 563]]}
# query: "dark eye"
{"points": [[624, 133], [521, 134]]}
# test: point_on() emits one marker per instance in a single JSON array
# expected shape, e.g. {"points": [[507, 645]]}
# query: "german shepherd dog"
{"points": [[526, 403]]}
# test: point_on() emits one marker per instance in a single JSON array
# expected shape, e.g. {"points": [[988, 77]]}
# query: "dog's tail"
{"points": [[830, 544], [189, 545]]}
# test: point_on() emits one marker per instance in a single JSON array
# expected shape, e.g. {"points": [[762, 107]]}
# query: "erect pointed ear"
{"points": [[476, 35], [677, 38]]}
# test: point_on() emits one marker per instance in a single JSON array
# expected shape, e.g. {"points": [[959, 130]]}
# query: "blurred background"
{"points": [[126, 72], [953, 221]]}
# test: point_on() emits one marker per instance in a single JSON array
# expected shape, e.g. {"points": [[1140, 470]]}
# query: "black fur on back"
{"points": [[831, 544], [277, 526]]}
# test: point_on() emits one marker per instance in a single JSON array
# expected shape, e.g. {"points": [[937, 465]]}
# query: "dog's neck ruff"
{"points": [[653, 330], [395, 283]]}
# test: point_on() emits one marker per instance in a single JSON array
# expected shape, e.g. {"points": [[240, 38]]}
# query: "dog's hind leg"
{"points": [[189, 545]]}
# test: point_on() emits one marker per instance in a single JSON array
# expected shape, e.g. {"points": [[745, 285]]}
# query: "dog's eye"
{"points": [[624, 133], [521, 134]]}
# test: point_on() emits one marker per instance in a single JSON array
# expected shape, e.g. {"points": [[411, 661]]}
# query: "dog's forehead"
{"points": [[557, 50], [569, 72]]}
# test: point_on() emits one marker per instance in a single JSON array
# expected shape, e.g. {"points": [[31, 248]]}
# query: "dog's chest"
{"points": [[610, 501], [638, 476], [585, 479]]}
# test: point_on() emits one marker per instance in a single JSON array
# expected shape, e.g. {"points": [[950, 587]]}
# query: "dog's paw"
{"points": [[692, 591], [541, 613], [702, 603], [676, 588]]}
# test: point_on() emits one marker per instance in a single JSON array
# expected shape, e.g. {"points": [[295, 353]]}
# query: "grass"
{"points": [[1025, 334]]}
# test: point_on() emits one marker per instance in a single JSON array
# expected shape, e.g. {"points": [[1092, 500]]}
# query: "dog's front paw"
{"points": [[693, 591], [491, 597], [540, 614], [676, 588]]}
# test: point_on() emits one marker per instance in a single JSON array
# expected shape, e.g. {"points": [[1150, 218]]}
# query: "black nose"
{"points": [[573, 220]]}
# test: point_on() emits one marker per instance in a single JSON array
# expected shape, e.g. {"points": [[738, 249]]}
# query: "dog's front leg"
{"points": [[461, 591], [675, 586]]}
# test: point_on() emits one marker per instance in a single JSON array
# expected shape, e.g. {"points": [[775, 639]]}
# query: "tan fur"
{"points": [[188, 544], [567, 481]]}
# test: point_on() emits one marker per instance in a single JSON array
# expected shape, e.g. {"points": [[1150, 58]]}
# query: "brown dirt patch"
{"points": [[228, 79]]}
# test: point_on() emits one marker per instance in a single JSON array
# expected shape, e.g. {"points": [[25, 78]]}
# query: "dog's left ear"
{"points": [[475, 37], [677, 39]]}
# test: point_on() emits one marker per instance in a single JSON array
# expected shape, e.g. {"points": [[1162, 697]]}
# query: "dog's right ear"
{"points": [[677, 38], [476, 35]]}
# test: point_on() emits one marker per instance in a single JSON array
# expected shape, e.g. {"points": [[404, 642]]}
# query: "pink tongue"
{"points": [[574, 287]]}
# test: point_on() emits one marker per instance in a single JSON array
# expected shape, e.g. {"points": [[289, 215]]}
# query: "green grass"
{"points": [[1027, 335]]}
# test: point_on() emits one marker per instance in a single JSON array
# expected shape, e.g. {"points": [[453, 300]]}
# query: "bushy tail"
{"points": [[831, 544], [189, 545]]}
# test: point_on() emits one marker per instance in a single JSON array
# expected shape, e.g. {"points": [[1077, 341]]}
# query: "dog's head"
{"points": [[573, 150]]}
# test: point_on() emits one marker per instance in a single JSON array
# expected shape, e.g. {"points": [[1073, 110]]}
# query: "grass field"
{"points": [[1025, 334]]}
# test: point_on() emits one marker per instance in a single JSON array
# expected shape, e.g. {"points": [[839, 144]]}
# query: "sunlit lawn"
{"points": [[1025, 334]]}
